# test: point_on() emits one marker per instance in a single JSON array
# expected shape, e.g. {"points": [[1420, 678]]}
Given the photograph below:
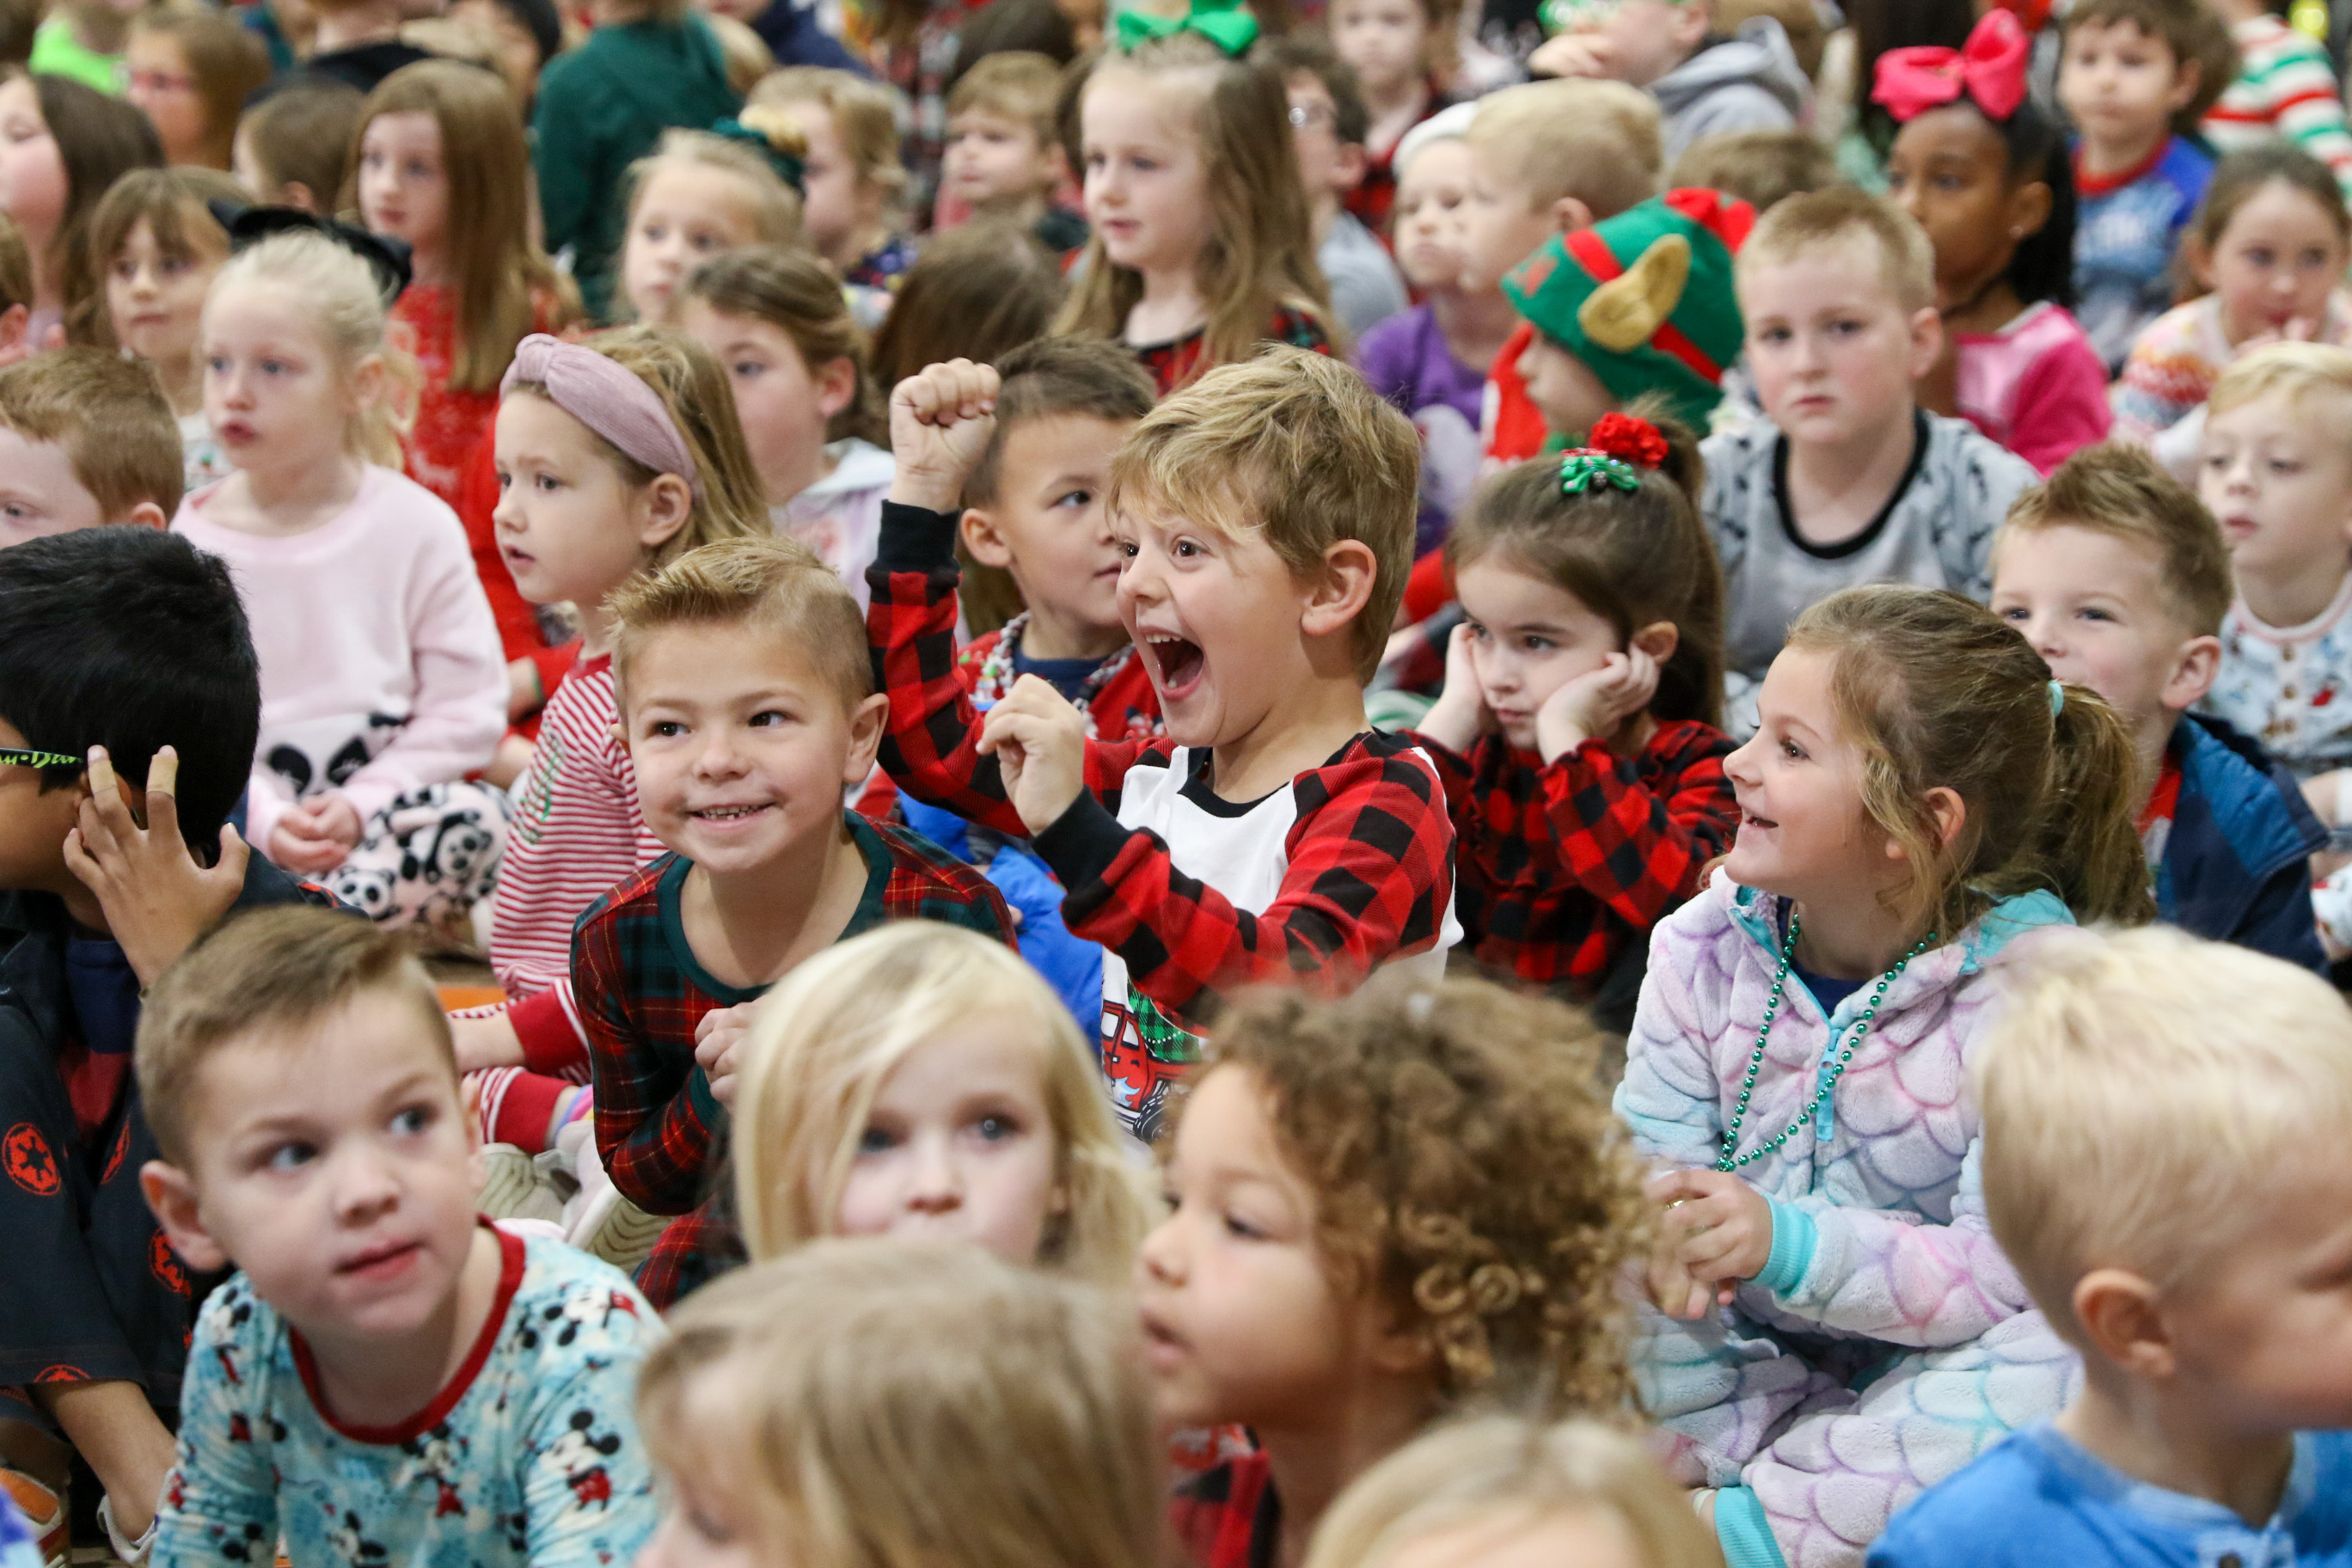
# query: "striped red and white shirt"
{"points": [[2284, 87]]}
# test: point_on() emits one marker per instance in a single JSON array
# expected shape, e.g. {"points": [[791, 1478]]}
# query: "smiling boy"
{"points": [[1265, 517], [389, 1379], [748, 709]]}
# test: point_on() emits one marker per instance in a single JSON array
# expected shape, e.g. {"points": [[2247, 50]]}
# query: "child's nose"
{"points": [[938, 1186]]}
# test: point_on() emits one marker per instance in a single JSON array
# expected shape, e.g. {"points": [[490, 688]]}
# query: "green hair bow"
{"points": [[1583, 469], [789, 169], [1228, 24]]}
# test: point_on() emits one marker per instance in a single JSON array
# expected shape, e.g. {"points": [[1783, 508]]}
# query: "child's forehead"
{"points": [[2311, 411], [1850, 264], [2114, 32], [1063, 439], [2076, 555], [333, 1066]]}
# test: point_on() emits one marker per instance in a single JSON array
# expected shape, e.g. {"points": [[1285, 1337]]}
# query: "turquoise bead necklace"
{"points": [[1724, 1161]]}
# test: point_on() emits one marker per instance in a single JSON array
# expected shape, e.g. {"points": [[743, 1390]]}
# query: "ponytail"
{"points": [[2085, 830]]}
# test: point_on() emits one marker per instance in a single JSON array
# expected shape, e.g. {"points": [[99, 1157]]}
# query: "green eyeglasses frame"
{"points": [[19, 757]]}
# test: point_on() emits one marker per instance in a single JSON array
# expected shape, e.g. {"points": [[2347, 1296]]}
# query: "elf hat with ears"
{"points": [[1645, 299]]}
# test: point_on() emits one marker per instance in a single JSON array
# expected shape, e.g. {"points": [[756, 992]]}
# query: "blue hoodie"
{"points": [[2237, 863]]}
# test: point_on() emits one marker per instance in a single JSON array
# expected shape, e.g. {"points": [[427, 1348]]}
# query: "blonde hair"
{"points": [[1258, 257], [773, 210], [832, 1031], [2123, 492], [1842, 214], [887, 1403], [2301, 371], [788, 288], [1297, 448], [729, 501], [2143, 1092], [1938, 692], [275, 969], [1502, 1470], [1596, 142], [338, 293], [865, 116], [777, 587], [1014, 84], [497, 277]]}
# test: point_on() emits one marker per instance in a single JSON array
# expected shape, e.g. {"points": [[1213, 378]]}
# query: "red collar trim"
{"points": [[511, 1261], [2087, 184]]}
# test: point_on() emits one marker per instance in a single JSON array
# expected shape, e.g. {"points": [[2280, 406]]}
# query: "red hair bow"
{"points": [[1990, 70], [1628, 439]]}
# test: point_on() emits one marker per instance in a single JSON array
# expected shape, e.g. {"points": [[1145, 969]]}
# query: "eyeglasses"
{"points": [[162, 81], [1306, 115], [19, 757]]}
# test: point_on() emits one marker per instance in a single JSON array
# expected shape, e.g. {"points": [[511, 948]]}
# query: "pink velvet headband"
{"points": [[608, 399]]}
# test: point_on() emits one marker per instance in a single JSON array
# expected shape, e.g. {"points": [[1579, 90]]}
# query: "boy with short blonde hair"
{"points": [[747, 707], [2164, 1162], [1002, 158], [2119, 579], [86, 438], [1845, 479], [1547, 158], [389, 1379], [1265, 519]]}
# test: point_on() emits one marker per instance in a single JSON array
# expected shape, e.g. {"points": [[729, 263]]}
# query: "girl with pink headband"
{"points": [[614, 457]]}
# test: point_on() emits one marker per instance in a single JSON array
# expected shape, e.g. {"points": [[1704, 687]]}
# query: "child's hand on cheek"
{"points": [[717, 1040], [1724, 1224], [940, 420], [1571, 54], [1460, 714], [1039, 741], [1595, 704]]}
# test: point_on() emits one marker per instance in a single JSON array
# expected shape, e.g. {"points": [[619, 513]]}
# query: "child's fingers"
{"points": [[163, 771], [1676, 1185], [162, 805], [100, 768], [234, 855]]}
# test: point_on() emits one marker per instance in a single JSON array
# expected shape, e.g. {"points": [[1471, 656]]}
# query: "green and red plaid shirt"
{"points": [[642, 991]]}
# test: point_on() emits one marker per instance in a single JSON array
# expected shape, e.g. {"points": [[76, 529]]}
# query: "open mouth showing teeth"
{"points": [[1753, 820], [1177, 659], [727, 813]]}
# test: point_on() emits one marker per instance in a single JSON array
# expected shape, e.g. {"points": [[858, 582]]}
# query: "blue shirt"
{"points": [[2124, 239], [2040, 1498]]}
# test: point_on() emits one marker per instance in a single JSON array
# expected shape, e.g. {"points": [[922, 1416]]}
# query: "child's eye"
{"points": [[2281, 466], [746, 369], [416, 1119], [875, 1140], [1793, 751], [1185, 549], [546, 482], [2013, 613], [2090, 614], [995, 1127], [1242, 1227], [655, 232], [2260, 255], [1079, 499], [1533, 644], [273, 366], [769, 718], [664, 730], [216, 364], [1773, 335], [1126, 548], [289, 1156]]}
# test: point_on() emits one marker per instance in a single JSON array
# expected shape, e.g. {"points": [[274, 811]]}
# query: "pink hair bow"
{"points": [[1990, 70]]}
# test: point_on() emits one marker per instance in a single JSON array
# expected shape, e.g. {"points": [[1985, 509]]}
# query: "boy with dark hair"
{"points": [[1265, 517], [1329, 125], [117, 644], [86, 438], [2136, 75]]}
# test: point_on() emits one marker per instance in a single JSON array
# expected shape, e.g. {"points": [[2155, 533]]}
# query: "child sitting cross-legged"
{"points": [[1576, 732], [747, 707], [1845, 479], [1839, 1329], [2120, 581], [2164, 1159], [1265, 517], [389, 1378], [1383, 1209]]}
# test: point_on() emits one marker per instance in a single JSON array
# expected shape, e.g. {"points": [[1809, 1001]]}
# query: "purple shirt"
{"points": [[1407, 362]]}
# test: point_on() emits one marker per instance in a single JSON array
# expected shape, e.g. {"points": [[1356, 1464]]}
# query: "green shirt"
{"points": [[57, 52]]}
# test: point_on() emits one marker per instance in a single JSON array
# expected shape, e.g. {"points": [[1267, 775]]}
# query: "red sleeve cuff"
{"points": [[525, 1110], [551, 1040]]}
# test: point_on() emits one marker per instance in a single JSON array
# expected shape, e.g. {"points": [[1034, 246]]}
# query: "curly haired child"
{"points": [[1382, 1208], [1577, 732], [1839, 1329]]}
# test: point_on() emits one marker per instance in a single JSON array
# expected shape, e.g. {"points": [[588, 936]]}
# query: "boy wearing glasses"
{"points": [[1329, 123], [117, 646]]}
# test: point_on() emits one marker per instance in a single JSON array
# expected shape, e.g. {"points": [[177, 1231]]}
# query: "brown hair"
{"points": [[15, 266], [1940, 693], [1258, 257], [19, 21], [864, 115], [1351, 121], [774, 210], [1840, 214], [497, 275], [1632, 557], [99, 139], [2246, 174], [1597, 141], [2121, 491], [1466, 1170], [789, 289], [976, 292], [172, 204], [1054, 376], [1013, 84], [1297, 448], [1762, 168], [112, 418], [301, 135], [227, 59], [777, 587], [2190, 29], [275, 969], [893, 1403], [729, 501]]}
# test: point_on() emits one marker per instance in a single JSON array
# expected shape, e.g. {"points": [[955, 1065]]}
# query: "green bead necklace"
{"points": [[1724, 1161]]}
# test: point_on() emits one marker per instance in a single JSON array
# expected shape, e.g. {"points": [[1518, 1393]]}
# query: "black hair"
{"points": [[130, 639], [2044, 265]]}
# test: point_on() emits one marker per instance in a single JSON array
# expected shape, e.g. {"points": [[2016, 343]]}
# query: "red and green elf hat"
{"points": [[1645, 299]]}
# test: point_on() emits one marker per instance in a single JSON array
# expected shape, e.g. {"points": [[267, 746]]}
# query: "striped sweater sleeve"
{"points": [[2284, 88]]}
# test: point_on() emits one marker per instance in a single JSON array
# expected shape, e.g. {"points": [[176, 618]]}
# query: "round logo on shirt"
{"points": [[24, 1154]]}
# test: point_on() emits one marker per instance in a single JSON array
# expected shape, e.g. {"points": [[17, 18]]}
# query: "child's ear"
{"points": [[173, 1198], [1569, 215], [1927, 341], [1949, 812], [836, 383], [15, 324], [369, 380], [146, 514], [2188, 76], [984, 538], [2029, 209], [2124, 1319], [864, 737], [662, 508], [1338, 595], [1658, 639], [295, 193], [2194, 668]]}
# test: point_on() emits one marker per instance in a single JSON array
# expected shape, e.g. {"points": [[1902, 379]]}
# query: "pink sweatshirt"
{"points": [[381, 667]]}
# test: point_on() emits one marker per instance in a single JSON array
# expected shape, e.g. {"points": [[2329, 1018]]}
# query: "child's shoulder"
{"points": [[926, 882], [1962, 457], [639, 896], [2021, 1502], [567, 1306]]}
